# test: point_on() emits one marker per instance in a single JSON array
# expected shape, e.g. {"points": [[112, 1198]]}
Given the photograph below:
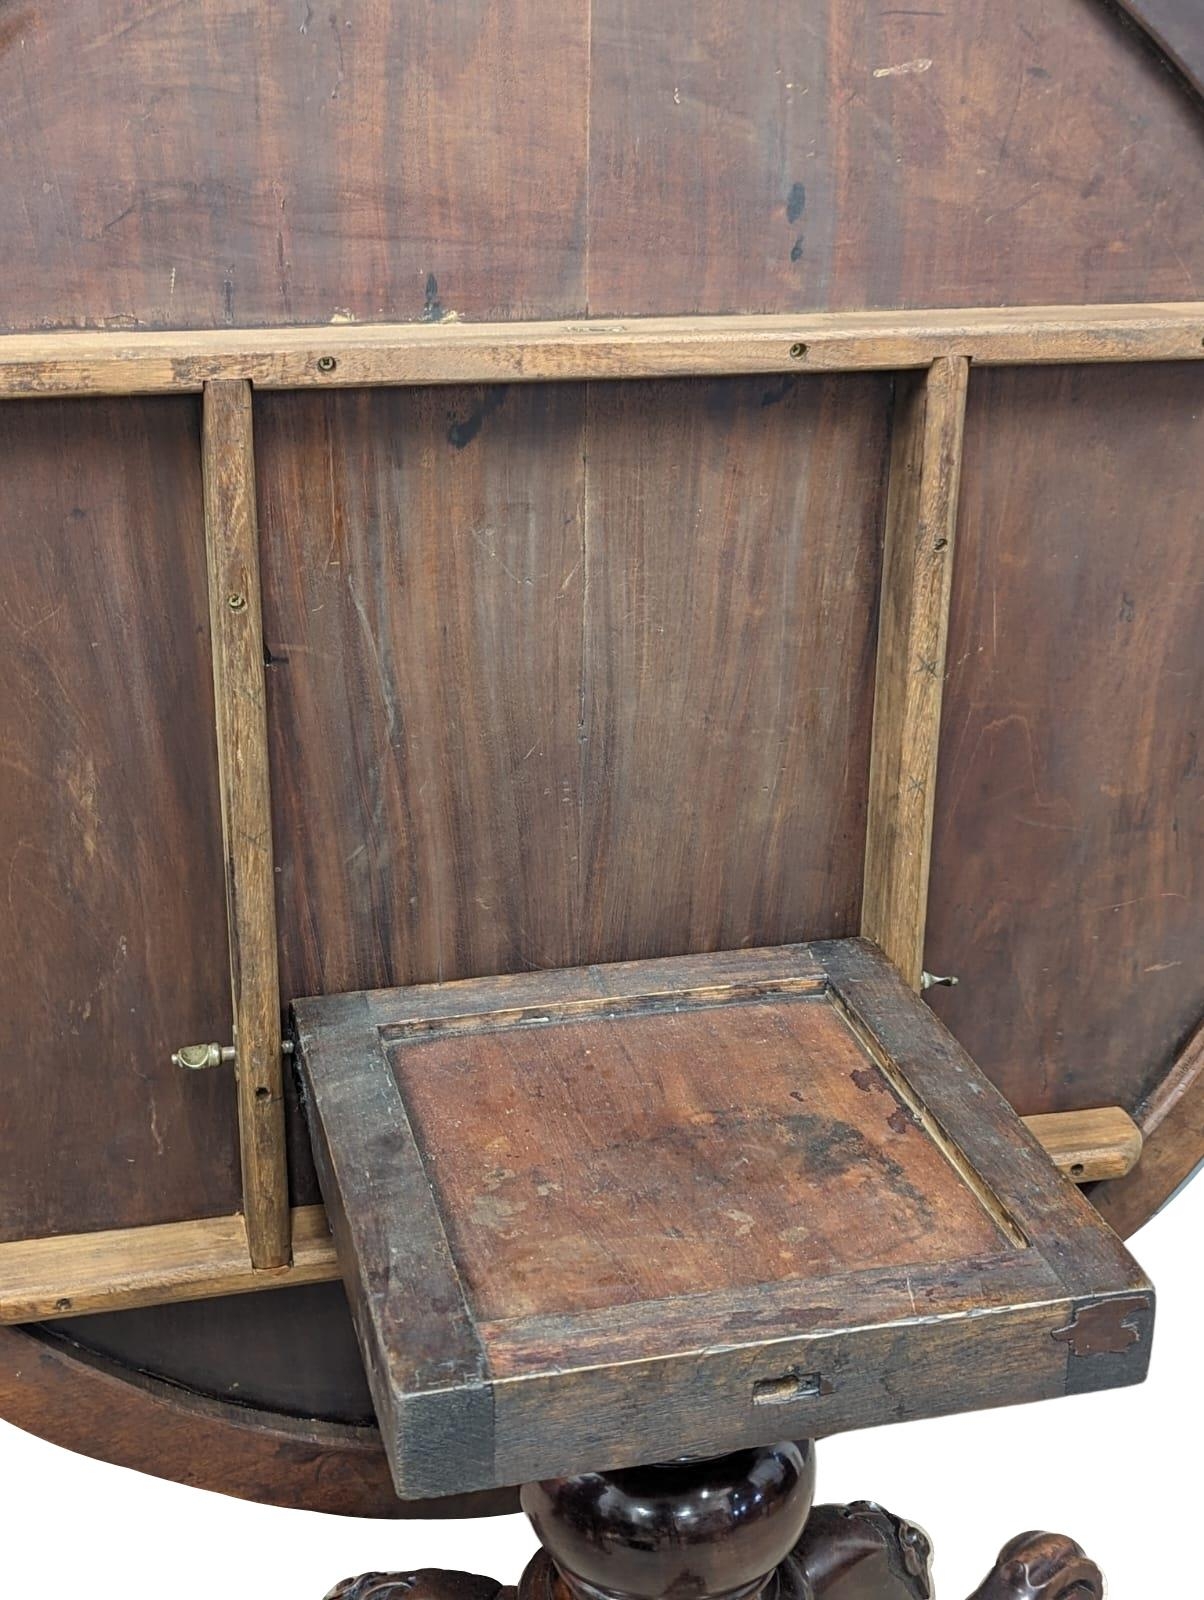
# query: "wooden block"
{"points": [[236, 626], [1089, 1145], [917, 577], [588, 1218]]}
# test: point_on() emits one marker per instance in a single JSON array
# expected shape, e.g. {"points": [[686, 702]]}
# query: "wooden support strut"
{"points": [[78, 1274], [917, 579], [359, 355], [236, 624]]}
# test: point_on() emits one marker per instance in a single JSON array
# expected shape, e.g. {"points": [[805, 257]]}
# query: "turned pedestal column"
{"points": [[740, 1527]]}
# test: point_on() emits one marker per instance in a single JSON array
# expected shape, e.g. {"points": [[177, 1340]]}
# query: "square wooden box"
{"points": [[597, 1217]]}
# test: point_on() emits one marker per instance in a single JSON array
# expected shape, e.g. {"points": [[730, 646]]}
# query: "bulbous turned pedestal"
{"points": [[717, 1528], [740, 1527]]}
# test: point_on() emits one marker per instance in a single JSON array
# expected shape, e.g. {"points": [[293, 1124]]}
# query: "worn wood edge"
{"points": [[1179, 48], [240, 708], [916, 592], [358, 355], [122, 1269], [99, 1408], [1057, 1220], [417, 1334], [1172, 1126]]}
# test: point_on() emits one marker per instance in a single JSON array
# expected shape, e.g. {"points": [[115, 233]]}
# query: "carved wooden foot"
{"points": [[1042, 1566], [740, 1527]]}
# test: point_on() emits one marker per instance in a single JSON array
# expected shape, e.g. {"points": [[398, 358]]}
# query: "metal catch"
{"points": [[197, 1057]]}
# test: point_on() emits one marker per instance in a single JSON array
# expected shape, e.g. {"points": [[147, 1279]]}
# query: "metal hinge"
{"points": [[197, 1057]]}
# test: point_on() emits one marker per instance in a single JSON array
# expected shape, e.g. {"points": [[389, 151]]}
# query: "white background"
{"points": [[1120, 1472]]}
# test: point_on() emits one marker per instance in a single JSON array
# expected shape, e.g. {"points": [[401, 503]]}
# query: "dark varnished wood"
{"points": [[588, 1216], [716, 1527], [1042, 1566], [738, 1526]]}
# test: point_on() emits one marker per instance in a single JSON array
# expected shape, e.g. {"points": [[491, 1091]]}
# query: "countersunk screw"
{"points": [[797, 351], [237, 602], [326, 363]]}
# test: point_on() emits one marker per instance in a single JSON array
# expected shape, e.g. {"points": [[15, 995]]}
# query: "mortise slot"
{"points": [[790, 1386]]}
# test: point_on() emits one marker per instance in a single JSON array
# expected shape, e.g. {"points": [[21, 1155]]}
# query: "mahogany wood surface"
{"points": [[206, 166], [387, 165], [740, 1527]]}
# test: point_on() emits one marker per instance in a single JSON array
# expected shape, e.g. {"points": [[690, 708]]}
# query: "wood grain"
{"points": [[1172, 1125], [590, 1305], [213, 167], [236, 626], [722, 1187], [917, 580], [71, 1276], [731, 554], [350, 356], [1089, 1145], [112, 939], [1068, 854], [77, 1275]]}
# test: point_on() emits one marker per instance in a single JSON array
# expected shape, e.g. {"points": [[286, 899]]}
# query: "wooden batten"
{"points": [[236, 624], [359, 355], [917, 578], [76, 1275]]}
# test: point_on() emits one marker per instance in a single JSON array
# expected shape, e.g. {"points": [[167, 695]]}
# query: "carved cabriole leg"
{"points": [[740, 1527]]}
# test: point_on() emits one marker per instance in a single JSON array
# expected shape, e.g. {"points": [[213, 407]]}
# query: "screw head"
{"points": [[326, 363], [237, 602], [798, 351]]}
